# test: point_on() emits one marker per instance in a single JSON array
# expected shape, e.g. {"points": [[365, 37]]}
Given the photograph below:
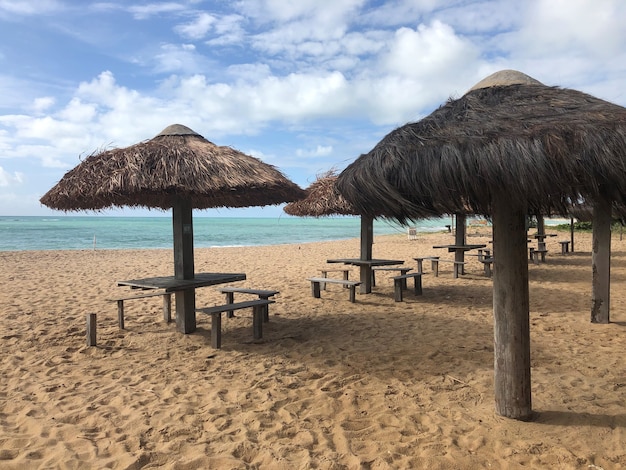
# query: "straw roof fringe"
{"points": [[322, 199], [542, 145], [176, 164]]}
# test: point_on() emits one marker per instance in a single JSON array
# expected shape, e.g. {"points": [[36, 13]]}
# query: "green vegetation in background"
{"points": [[586, 226]]}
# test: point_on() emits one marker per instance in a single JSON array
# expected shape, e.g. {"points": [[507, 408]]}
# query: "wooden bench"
{"points": [[167, 305], [317, 281], [263, 294], [487, 262], [420, 260], [536, 253], [325, 271], [457, 268], [402, 272], [259, 307], [564, 246], [400, 283]]}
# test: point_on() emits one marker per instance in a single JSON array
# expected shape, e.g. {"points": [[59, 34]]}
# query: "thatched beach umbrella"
{"points": [[322, 200], [509, 147], [177, 169]]}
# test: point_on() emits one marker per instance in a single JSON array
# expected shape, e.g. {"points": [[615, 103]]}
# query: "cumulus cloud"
{"points": [[428, 51], [319, 81]]}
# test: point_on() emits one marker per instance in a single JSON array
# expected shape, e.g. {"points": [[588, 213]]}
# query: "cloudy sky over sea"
{"points": [[305, 85]]}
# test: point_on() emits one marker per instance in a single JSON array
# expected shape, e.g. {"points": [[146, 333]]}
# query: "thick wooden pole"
{"points": [[460, 238], [367, 240], [541, 225], [460, 231], [571, 234], [601, 261], [511, 311], [184, 265]]}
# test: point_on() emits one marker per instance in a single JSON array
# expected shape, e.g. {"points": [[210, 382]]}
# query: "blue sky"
{"points": [[305, 85]]}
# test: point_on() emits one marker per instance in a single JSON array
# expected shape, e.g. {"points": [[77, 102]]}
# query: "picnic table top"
{"points": [[171, 284], [460, 247], [366, 262]]}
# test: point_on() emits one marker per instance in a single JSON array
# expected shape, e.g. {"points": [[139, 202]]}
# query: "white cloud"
{"points": [[228, 30], [10, 179], [318, 81], [29, 7], [142, 12], [179, 58], [42, 104], [319, 151], [199, 27], [427, 52]]}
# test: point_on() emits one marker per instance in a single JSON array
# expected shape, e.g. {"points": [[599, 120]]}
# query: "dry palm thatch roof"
{"points": [[542, 145], [322, 199], [176, 164]]}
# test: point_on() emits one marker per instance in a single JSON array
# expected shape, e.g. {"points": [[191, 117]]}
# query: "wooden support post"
{"points": [[216, 330], [601, 261], [460, 239], [397, 290], [120, 314], [434, 264], [257, 321], [367, 240], [315, 289], [353, 293], [418, 285], [184, 265], [91, 329], [167, 308], [511, 311], [230, 298]]}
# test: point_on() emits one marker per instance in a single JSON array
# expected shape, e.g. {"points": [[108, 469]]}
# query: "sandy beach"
{"points": [[374, 384]]}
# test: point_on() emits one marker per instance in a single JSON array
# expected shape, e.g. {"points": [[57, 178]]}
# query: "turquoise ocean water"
{"points": [[103, 232]]}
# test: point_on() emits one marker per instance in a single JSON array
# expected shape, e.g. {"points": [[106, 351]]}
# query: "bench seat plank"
{"points": [[258, 306], [399, 284], [316, 282], [167, 305], [401, 270], [263, 294]]}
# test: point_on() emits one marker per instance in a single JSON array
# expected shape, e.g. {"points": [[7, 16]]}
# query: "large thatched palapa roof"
{"points": [[177, 163], [508, 148], [509, 133], [322, 199]]}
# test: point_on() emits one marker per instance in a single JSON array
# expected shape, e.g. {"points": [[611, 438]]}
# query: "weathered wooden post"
{"points": [[459, 239], [91, 329], [184, 265], [511, 311], [601, 261], [367, 240]]}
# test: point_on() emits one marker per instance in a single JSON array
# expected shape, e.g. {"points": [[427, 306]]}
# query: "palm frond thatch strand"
{"points": [[322, 199], [544, 145], [177, 163]]}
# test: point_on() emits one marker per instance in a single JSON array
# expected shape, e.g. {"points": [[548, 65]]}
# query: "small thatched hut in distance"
{"points": [[322, 199]]}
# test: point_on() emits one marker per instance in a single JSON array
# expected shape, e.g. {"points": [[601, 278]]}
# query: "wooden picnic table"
{"points": [[365, 266], [181, 287], [459, 252]]}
